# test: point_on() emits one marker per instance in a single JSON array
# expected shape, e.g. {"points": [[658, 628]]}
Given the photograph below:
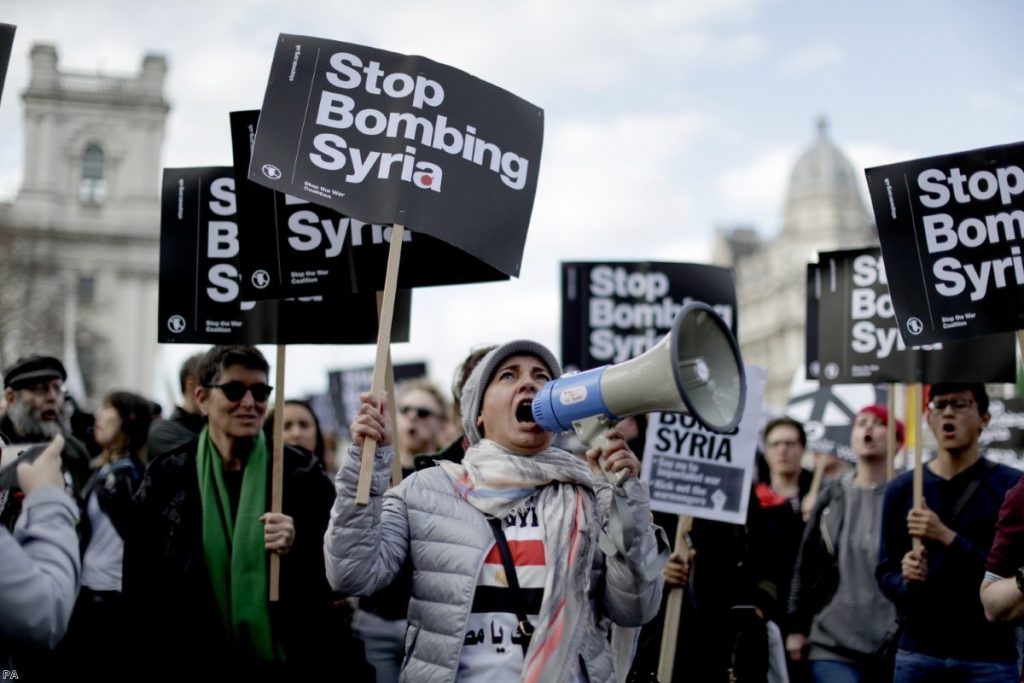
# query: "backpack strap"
{"points": [[972, 486]]}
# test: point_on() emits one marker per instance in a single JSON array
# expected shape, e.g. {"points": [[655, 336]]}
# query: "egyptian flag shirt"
{"points": [[492, 651]]}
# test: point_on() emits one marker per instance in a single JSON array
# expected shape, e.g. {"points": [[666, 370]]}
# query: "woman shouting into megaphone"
{"points": [[514, 578]]}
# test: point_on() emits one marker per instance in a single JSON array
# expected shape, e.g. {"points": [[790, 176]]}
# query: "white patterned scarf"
{"points": [[496, 481]]}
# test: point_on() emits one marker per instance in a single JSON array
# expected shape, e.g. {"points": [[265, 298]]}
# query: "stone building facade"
{"points": [[79, 244], [824, 210]]}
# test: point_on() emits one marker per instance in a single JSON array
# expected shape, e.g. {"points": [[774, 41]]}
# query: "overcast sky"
{"points": [[663, 119]]}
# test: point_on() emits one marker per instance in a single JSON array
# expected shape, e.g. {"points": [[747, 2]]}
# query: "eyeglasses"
{"points": [[785, 443], [44, 388], [235, 390], [420, 412], [959, 405]]}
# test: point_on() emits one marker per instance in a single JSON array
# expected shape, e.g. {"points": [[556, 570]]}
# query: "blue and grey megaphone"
{"points": [[696, 369]]}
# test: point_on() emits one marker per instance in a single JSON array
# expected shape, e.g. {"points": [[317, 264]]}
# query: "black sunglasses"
{"points": [[235, 390], [421, 413]]}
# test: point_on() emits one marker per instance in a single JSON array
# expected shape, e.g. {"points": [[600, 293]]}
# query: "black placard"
{"points": [[859, 340], [200, 298], [811, 365], [391, 138], [345, 386], [6, 43], [951, 229], [1003, 439], [292, 247], [614, 311]]}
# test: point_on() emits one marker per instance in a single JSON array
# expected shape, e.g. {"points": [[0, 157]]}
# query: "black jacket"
{"points": [[167, 582], [816, 574], [74, 462], [720, 638], [178, 429]]}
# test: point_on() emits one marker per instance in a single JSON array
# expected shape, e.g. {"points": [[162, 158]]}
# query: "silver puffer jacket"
{"points": [[447, 539]]}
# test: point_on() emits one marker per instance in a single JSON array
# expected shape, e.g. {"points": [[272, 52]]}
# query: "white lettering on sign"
{"points": [[868, 306], [337, 111], [309, 231], [956, 275], [222, 242], [980, 185], [621, 330]]}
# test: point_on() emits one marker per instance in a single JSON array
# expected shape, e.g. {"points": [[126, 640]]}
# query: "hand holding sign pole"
{"points": [[381, 364]]}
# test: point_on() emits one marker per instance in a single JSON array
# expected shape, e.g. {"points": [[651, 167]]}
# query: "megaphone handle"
{"points": [[590, 431]]}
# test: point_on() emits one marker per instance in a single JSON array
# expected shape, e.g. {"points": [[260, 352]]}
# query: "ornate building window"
{"points": [[93, 188], [86, 290]]}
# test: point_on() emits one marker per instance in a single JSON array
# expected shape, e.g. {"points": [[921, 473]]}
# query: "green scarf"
{"points": [[234, 548]]}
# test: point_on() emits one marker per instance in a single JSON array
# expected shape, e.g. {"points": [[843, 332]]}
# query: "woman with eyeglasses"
{"points": [[197, 561]]}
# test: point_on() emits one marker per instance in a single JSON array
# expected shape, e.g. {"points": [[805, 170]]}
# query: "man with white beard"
{"points": [[34, 396]]}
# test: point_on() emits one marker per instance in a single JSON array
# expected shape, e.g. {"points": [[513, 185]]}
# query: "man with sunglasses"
{"points": [[935, 589], [421, 416], [197, 559]]}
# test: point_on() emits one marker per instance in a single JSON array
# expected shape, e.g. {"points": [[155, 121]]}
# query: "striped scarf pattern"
{"points": [[496, 482]]}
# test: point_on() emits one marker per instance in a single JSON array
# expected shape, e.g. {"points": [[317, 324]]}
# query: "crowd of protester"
{"points": [[498, 556]]}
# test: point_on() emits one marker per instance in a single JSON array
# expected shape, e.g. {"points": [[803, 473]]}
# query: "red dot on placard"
{"points": [[426, 180]]}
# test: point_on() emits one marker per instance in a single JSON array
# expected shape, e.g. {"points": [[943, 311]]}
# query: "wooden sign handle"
{"points": [[389, 387], [673, 607], [890, 434], [819, 476], [915, 409], [387, 312], [276, 490]]}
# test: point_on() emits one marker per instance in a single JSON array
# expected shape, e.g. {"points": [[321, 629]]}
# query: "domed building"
{"points": [[824, 211]]}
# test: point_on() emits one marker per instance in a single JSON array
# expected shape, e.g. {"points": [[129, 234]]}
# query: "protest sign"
{"points": [[344, 387], [292, 247], [6, 42], [200, 300], [951, 229], [827, 411], [812, 368], [396, 139], [614, 311], [323, 408], [693, 471], [1002, 440], [859, 339]]}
